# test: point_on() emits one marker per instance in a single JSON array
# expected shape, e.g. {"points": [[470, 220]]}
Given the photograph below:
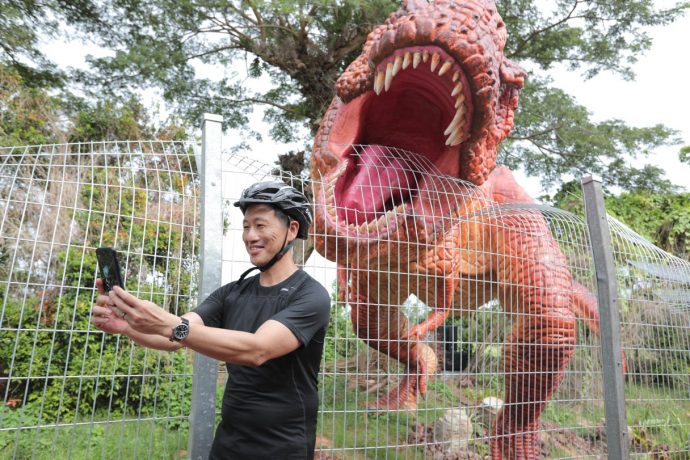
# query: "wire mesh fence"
{"points": [[463, 325], [654, 290], [70, 391]]}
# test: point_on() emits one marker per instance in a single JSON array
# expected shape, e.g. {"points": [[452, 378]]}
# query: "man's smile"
{"points": [[255, 249]]}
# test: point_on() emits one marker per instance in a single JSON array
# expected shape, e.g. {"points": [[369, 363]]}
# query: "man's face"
{"points": [[264, 233]]}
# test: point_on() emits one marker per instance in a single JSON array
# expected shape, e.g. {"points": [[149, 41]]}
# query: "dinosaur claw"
{"points": [[415, 334]]}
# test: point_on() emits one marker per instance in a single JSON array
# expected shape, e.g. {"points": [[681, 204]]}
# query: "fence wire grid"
{"points": [[449, 308], [70, 391]]}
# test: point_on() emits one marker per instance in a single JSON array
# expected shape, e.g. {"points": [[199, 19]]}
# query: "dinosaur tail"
{"points": [[586, 307]]}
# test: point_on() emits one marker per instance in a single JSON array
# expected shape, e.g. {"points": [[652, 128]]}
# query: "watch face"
{"points": [[181, 331]]}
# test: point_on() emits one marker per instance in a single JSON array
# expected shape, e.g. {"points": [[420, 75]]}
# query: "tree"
{"points": [[301, 48], [684, 154], [107, 120], [28, 115], [661, 217], [23, 22]]}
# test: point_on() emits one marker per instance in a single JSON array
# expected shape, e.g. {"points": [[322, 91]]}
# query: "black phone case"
{"points": [[109, 268]]}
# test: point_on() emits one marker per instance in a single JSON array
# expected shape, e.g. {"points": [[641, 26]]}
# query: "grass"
{"points": [[356, 432], [659, 419], [114, 439]]}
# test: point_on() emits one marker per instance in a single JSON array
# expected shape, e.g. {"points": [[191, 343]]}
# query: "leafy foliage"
{"points": [[297, 50], [663, 218], [59, 365], [684, 154], [27, 115], [24, 22], [556, 137], [30, 115]]}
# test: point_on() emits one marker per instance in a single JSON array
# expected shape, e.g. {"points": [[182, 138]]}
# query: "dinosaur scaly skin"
{"points": [[433, 80]]}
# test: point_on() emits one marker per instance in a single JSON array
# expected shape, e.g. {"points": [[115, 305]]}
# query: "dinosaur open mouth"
{"points": [[420, 102]]}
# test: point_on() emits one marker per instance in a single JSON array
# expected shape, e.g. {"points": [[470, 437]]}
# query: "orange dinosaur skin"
{"points": [[455, 251]]}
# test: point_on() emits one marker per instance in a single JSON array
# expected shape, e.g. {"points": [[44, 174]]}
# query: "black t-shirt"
{"points": [[269, 412]]}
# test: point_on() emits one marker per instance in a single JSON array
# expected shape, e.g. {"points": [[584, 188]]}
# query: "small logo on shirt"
{"points": [[284, 289]]}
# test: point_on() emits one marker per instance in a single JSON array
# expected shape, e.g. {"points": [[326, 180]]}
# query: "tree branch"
{"points": [[531, 36], [252, 100]]}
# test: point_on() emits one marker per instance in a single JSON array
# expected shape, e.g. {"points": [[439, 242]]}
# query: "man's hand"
{"points": [[141, 315], [103, 315]]}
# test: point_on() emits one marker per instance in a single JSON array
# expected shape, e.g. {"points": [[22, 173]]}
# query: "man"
{"points": [[269, 329]]}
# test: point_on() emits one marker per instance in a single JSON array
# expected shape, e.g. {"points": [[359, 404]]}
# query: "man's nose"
{"points": [[250, 234]]}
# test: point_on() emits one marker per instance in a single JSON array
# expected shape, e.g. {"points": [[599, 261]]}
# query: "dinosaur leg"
{"points": [[535, 357], [538, 290], [382, 327]]}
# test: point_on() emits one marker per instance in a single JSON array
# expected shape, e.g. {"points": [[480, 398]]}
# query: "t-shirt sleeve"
{"points": [[307, 312], [211, 309]]}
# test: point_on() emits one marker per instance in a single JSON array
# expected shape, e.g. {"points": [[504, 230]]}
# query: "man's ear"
{"points": [[293, 229]]}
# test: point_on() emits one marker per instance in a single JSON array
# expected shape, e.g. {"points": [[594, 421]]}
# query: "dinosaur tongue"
{"points": [[379, 182]]}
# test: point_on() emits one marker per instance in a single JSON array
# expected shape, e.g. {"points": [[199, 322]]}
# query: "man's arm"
{"points": [[110, 319], [271, 340], [158, 342], [151, 326]]}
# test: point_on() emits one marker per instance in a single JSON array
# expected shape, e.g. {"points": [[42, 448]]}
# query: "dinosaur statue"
{"points": [[433, 80]]}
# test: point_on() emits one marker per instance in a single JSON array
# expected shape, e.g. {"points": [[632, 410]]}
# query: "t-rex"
{"points": [[433, 80]]}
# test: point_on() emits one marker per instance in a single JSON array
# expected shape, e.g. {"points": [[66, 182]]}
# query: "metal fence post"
{"points": [[203, 412], [614, 391]]}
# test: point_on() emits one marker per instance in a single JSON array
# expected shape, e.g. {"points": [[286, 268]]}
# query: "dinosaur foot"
{"points": [[403, 397], [516, 446]]}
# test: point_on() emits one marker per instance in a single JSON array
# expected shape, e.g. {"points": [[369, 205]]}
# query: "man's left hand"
{"points": [[143, 316]]}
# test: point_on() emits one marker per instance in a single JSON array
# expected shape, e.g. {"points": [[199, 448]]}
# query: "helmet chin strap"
{"points": [[278, 256]]}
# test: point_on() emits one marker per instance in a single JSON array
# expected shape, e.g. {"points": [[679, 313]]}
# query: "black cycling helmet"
{"points": [[281, 196]]}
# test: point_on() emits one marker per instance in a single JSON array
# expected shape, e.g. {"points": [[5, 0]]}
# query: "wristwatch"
{"points": [[180, 332]]}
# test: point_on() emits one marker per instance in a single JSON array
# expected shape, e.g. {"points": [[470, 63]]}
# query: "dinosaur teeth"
{"points": [[445, 67], [454, 122], [455, 137], [384, 78], [378, 82], [435, 59], [389, 76], [396, 65], [406, 60], [416, 58], [455, 128]]}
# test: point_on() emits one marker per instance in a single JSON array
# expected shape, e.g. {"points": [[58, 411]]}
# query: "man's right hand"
{"points": [[105, 316]]}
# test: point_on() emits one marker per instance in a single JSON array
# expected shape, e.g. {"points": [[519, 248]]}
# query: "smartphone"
{"points": [[109, 268]]}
